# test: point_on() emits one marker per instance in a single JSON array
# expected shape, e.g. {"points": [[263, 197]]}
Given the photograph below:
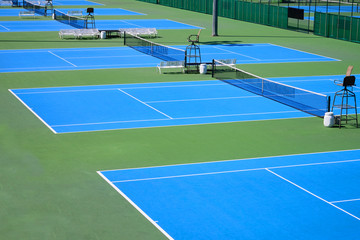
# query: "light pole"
{"points": [[215, 18]]}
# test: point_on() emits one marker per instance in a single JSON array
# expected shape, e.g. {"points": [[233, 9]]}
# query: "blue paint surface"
{"points": [[284, 197], [97, 11], [125, 57], [51, 25], [126, 106]]}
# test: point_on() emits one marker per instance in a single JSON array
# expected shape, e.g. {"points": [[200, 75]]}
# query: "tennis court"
{"points": [[98, 11], [326, 9], [109, 107], [74, 2], [96, 144], [307, 196], [125, 57], [51, 25]]}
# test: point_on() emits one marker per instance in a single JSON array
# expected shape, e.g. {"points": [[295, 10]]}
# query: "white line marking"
{"points": [[235, 160], [33, 112], [348, 200], [204, 99], [304, 51], [235, 171], [62, 58], [184, 118], [237, 53], [116, 87], [145, 104], [136, 207], [132, 24], [313, 194], [4, 27]]}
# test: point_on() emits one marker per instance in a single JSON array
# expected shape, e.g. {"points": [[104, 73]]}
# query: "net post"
{"points": [[213, 68], [124, 38], [328, 103]]}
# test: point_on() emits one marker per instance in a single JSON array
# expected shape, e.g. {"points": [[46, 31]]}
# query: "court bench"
{"points": [[181, 64], [77, 13], [27, 14], [141, 32], [79, 33], [171, 65]]}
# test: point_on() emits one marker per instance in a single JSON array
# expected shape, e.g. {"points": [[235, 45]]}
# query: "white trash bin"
{"points": [[329, 119], [203, 68], [103, 35]]}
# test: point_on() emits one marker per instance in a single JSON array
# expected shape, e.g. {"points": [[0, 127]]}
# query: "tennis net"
{"points": [[74, 21], [163, 52], [38, 7], [307, 101]]}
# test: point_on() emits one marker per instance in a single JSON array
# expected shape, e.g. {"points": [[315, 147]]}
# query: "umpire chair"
{"points": [[90, 19], [345, 94]]}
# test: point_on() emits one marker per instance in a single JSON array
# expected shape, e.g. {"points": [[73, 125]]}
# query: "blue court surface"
{"points": [[74, 2], [329, 9], [126, 106], [97, 11], [51, 25], [126, 57], [303, 197]]}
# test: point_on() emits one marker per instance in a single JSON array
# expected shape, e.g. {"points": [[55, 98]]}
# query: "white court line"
{"points": [[4, 27], [313, 194], [62, 58], [117, 88], [204, 99], [304, 51], [132, 24], [184, 118], [236, 160], [237, 53], [348, 200], [145, 104], [136, 206], [34, 113], [235, 171]]}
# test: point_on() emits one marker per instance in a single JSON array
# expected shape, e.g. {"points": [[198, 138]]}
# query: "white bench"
{"points": [[231, 62], [73, 33], [91, 32], [75, 13], [141, 32], [27, 14], [172, 65], [79, 33], [6, 3]]}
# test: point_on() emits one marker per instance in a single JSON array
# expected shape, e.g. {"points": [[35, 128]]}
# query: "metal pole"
{"points": [[215, 18]]}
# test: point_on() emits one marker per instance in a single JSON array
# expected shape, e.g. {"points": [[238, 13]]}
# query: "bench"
{"points": [[171, 65], [72, 33], [75, 13], [141, 32], [90, 32], [231, 62], [4, 3], [27, 14], [79, 33]]}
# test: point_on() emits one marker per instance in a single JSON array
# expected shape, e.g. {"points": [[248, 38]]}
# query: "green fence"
{"points": [[337, 26], [150, 1], [262, 13], [266, 14]]}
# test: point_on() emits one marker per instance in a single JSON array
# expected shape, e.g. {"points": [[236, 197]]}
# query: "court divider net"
{"points": [[307, 101], [157, 50]]}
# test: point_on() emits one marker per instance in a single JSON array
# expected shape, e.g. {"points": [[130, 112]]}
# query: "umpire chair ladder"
{"points": [[346, 94], [90, 19], [193, 55]]}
